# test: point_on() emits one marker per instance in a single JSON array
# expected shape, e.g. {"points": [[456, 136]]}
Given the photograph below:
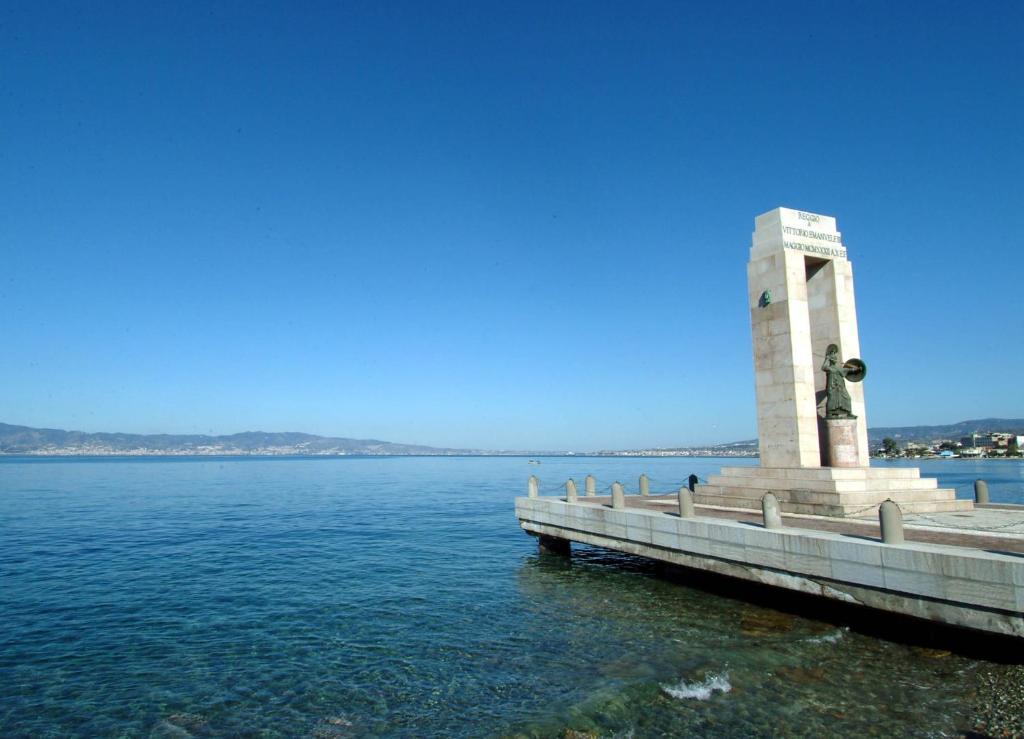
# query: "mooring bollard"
{"points": [[890, 518], [771, 511], [533, 486], [980, 492], [686, 503], [570, 491], [618, 496], [645, 485], [591, 486]]}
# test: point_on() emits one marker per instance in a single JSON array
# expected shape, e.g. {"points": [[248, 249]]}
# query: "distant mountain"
{"points": [[56, 442], [26, 440], [953, 431]]}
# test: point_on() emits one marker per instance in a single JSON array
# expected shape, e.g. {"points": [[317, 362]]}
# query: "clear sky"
{"points": [[494, 225]]}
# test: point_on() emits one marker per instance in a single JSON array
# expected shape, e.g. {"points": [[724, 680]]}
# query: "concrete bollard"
{"points": [[591, 486], [533, 486], [645, 485], [618, 496], [686, 509], [980, 492], [771, 511], [570, 491], [890, 517]]}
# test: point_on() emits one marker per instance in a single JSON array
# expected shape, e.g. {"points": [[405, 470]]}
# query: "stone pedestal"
{"points": [[841, 434], [829, 491]]}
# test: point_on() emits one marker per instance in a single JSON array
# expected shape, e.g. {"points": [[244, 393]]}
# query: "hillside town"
{"points": [[996, 444]]}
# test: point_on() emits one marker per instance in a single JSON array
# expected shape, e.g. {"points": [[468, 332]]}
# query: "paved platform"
{"points": [[990, 528]]}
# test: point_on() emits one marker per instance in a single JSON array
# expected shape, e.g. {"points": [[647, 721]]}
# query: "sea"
{"points": [[398, 597]]}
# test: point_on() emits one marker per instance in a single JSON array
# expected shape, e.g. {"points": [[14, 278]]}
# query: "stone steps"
{"points": [[826, 473], [824, 486], [862, 497], [833, 503]]}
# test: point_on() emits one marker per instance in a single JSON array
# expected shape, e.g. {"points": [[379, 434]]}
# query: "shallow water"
{"points": [[398, 597]]}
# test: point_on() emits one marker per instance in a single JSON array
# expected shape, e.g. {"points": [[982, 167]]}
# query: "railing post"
{"points": [[980, 492], [890, 518], [645, 485], [591, 486], [570, 491], [533, 486], [771, 511], [618, 496], [686, 503]]}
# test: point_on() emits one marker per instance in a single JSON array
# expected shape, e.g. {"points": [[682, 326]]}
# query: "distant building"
{"points": [[978, 441]]}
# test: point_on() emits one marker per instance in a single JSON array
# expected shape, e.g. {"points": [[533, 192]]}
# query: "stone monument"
{"points": [[812, 425]]}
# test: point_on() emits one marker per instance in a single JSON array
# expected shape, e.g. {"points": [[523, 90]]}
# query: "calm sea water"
{"points": [[398, 597]]}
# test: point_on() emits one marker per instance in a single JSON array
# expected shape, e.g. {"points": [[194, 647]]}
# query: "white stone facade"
{"points": [[801, 297], [800, 260]]}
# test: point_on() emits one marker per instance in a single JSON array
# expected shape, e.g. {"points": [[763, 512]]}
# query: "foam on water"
{"points": [[701, 691]]}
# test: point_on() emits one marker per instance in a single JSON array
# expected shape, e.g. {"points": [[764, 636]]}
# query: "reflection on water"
{"points": [[398, 597]]}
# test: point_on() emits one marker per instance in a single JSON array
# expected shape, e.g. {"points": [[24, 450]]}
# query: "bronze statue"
{"points": [[837, 400]]}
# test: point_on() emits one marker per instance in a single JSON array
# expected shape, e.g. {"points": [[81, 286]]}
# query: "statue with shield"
{"points": [[837, 399]]}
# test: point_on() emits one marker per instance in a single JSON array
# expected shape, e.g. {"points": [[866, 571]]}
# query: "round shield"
{"points": [[855, 369]]}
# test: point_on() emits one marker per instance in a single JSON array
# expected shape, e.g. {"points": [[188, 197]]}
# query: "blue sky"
{"points": [[494, 225]]}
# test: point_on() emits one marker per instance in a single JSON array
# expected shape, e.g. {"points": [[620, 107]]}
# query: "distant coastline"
{"points": [[38, 442], [41, 442]]}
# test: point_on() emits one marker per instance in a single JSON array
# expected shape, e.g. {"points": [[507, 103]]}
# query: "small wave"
{"points": [[829, 638], [702, 690]]}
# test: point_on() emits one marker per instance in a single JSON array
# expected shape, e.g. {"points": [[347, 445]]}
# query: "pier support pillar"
{"points": [[554, 545]]}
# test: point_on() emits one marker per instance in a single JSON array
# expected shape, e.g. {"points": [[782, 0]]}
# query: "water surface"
{"points": [[398, 597]]}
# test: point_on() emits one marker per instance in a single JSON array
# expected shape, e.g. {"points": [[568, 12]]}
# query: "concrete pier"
{"points": [[814, 516], [960, 569]]}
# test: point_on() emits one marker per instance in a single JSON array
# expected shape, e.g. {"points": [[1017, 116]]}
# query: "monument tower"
{"points": [[803, 316]]}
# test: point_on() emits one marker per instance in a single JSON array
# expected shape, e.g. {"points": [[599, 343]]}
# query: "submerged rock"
{"points": [[191, 722], [332, 727], [167, 730], [999, 705], [801, 674], [764, 622]]}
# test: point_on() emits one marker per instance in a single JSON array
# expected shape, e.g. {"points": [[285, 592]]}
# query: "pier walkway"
{"points": [[994, 528]]}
